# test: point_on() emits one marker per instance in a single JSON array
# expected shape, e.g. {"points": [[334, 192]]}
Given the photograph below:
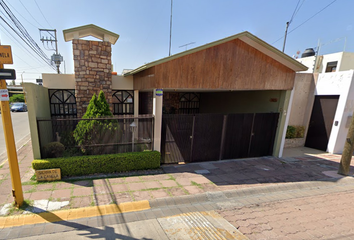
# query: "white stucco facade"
{"points": [[345, 61], [338, 83]]}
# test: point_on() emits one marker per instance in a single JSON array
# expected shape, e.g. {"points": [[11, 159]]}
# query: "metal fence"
{"points": [[94, 136]]}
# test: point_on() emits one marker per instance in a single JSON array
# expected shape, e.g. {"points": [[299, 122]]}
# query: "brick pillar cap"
{"points": [[90, 30]]}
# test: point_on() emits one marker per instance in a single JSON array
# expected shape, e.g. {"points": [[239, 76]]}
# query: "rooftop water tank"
{"points": [[308, 53]]}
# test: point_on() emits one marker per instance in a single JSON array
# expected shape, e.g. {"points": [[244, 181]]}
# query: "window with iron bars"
{"points": [[123, 102], [62, 103], [189, 103]]}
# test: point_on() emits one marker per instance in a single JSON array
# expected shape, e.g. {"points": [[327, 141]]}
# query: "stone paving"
{"points": [[177, 180], [327, 216]]}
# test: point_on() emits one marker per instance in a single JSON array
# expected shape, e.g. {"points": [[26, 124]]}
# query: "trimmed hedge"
{"points": [[110, 163]]}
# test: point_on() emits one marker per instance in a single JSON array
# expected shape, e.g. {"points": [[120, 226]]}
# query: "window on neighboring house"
{"points": [[62, 103], [189, 103], [331, 66], [123, 102]]}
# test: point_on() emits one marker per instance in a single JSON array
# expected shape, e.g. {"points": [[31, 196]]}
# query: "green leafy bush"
{"points": [[54, 150], [300, 131], [92, 132], [295, 132], [17, 98], [110, 163], [290, 132]]}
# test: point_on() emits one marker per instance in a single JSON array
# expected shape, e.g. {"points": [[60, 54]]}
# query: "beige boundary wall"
{"points": [[67, 81], [38, 107], [304, 94]]}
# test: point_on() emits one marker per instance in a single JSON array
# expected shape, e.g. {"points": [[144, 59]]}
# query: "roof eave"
{"points": [[246, 37]]}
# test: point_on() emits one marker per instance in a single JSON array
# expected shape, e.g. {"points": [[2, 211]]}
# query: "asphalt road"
{"points": [[21, 131]]}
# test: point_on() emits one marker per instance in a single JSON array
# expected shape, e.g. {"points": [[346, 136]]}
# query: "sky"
{"points": [[144, 27]]}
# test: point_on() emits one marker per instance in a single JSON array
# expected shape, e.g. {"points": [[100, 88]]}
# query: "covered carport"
{"points": [[223, 100]]}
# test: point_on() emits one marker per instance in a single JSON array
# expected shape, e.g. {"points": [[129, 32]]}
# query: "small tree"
{"points": [[89, 133], [17, 98]]}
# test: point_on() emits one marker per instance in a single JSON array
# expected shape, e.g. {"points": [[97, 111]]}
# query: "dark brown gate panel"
{"points": [[176, 138], [207, 137], [321, 121], [210, 137], [263, 134], [237, 135]]}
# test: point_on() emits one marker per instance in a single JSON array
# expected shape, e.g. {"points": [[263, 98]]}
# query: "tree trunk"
{"points": [[344, 165]]}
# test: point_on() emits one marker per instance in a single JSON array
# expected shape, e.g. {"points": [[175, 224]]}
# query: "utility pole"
{"points": [[169, 52], [56, 57], [17, 192], [286, 34]]}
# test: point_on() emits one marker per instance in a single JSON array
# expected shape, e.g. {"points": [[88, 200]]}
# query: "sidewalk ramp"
{"points": [[199, 225]]}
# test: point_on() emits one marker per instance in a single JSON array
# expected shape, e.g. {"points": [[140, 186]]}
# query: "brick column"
{"points": [[92, 62]]}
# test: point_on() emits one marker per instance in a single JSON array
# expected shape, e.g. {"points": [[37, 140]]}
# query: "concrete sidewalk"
{"points": [[177, 182]]}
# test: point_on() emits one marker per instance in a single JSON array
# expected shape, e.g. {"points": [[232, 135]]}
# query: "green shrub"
{"points": [[295, 132], [67, 138], [17, 98], [300, 131], [54, 150], [110, 163], [290, 132], [93, 132]]}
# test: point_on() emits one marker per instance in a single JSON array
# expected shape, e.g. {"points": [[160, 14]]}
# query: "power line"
{"points": [[292, 17], [30, 14], [307, 20], [21, 15], [21, 31], [42, 14], [19, 44]]}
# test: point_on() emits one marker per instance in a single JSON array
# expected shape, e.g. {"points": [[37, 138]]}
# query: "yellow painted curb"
{"points": [[71, 214]]}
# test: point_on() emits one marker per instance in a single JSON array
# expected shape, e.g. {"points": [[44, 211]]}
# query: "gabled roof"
{"points": [[90, 30], [246, 37]]}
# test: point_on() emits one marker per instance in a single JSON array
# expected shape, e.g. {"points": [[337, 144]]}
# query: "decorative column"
{"points": [[93, 72], [157, 112]]}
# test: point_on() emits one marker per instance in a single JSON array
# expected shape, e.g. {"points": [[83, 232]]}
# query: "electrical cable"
{"points": [[30, 13], [307, 20], [21, 15], [42, 14], [19, 29], [25, 41], [292, 17], [20, 45]]}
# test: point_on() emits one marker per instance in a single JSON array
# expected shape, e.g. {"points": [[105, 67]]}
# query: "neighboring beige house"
{"points": [[323, 100], [223, 100]]}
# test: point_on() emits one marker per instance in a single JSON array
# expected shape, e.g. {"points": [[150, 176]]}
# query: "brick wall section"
{"points": [[92, 62], [170, 102]]}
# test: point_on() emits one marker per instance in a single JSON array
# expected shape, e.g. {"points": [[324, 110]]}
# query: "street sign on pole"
{"points": [[5, 54], [17, 193], [4, 95], [7, 74]]}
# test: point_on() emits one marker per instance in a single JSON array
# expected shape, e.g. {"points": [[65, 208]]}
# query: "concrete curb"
{"points": [[73, 214]]}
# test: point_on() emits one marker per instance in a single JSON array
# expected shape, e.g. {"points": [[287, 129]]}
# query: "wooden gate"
{"points": [[210, 137]]}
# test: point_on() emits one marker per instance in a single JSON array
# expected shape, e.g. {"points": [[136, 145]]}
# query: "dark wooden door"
{"points": [[207, 133], [237, 135], [263, 134], [176, 137], [321, 121]]}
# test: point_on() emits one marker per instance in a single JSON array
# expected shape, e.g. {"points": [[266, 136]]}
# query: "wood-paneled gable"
{"points": [[233, 65]]}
